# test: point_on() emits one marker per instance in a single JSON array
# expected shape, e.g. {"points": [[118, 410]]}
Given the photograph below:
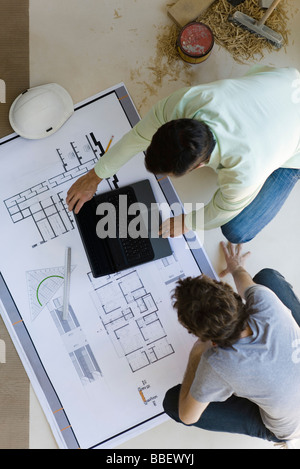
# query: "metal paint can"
{"points": [[195, 42]]}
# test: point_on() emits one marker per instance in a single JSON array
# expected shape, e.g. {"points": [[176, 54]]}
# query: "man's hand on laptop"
{"points": [[82, 191], [173, 227]]}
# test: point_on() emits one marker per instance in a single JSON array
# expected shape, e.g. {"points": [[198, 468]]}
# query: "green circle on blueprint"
{"points": [[37, 290]]}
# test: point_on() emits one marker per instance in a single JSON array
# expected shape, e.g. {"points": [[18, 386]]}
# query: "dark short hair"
{"points": [[211, 310], [178, 145]]}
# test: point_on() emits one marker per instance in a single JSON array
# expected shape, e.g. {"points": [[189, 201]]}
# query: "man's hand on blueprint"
{"points": [[173, 227], [82, 190]]}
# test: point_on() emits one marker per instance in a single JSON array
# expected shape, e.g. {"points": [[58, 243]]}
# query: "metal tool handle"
{"points": [[268, 13]]}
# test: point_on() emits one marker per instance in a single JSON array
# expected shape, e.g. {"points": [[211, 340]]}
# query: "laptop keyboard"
{"points": [[136, 250], [108, 253]]}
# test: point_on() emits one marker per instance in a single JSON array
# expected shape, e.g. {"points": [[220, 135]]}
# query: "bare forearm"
{"points": [[190, 410], [242, 280], [189, 376], [194, 358]]}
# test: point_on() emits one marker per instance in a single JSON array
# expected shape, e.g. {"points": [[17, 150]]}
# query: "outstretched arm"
{"points": [[191, 410], [132, 143], [235, 261]]}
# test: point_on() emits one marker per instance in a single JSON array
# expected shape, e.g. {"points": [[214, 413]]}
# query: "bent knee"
{"points": [[265, 275], [235, 236], [170, 402]]}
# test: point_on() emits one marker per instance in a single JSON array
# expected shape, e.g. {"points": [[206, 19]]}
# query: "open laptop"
{"points": [[115, 229]]}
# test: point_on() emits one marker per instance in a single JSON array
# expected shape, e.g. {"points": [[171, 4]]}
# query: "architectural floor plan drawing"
{"points": [[130, 316], [44, 203], [100, 374]]}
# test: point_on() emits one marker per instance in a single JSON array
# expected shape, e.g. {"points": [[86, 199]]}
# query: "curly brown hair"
{"points": [[211, 310]]}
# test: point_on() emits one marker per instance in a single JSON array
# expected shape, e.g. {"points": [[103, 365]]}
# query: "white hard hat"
{"points": [[39, 112]]}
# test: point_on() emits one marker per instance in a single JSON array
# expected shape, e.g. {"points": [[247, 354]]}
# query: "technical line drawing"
{"points": [[75, 342], [46, 207], [146, 393], [121, 346], [129, 314], [42, 285]]}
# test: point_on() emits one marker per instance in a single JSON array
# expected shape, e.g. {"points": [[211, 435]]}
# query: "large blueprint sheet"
{"points": [[102, 374]]}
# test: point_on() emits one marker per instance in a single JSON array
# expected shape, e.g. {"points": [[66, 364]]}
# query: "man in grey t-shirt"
{"points": [[243, 373]]}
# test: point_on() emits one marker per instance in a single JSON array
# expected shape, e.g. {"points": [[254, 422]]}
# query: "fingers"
{"points": [[79, 193], [238, 249], [223, 273], [226, 249], [233, 257], [223, 246], [71, 198], [73, 202], [246, 255], [172, 227], [165, 229], [76, 207], [76, 201], [230, 249]]}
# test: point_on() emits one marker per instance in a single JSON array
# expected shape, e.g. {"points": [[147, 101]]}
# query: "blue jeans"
{"points": [[236, 414], [250, 221]]}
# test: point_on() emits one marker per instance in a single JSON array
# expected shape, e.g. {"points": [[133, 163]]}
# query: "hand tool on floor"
{"points": [[185, 11], [265, 3], [258, 27]]}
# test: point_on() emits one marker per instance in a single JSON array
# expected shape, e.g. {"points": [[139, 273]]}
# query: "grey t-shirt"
{"points": [[263, 367]]}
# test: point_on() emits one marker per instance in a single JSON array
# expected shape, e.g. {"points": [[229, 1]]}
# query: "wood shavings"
{"points": [[117, 15], [166, 51], [240, 43], [165, 64]]}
